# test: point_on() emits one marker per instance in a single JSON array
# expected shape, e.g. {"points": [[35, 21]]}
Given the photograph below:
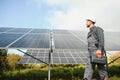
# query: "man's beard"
{"points": [[87, 26]]}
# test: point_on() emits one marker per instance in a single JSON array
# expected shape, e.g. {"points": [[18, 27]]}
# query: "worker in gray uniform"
{"points": [[95, 44]]}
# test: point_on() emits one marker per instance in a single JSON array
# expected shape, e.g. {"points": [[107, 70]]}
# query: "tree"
{"points": [[13, 60], [3, 60]]}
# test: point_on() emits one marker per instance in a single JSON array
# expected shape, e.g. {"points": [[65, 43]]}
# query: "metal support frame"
{"points": [[49, 64], [49, 57], [114, 60], [49, 60], [50, 52], [32, 56]]}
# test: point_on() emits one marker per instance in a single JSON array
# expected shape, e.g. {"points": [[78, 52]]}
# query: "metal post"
{"points": [[50, 52], [49, 63]]}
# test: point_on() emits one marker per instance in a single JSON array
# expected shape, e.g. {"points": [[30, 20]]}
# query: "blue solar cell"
{"points": [[58, 57], [20, 30], [68, 42], [61, 32], [7, 38], [2, 29], [112, 41], [40, 31], [32, 41]]}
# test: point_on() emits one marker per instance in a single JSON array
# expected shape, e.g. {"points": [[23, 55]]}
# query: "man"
{"points": [[95, 44]]}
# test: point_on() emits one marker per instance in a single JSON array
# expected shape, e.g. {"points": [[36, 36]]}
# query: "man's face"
{"points": [[88, 23]]}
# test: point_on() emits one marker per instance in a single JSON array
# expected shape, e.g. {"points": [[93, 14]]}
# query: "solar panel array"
{"points": [[65, 43], [63, 39], [57, 57], [24, 38]]}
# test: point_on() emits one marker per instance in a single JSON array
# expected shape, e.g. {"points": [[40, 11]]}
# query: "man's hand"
{"points": [[99, 53]]}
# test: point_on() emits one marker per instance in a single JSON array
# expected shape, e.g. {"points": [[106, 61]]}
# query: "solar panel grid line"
{"points": [[81, 34], [59, 57], [39, 31], [60, 39], [27, 61], [2, 29], [13, 33], [8, 30], [67, 39], [72, 57], [83, 54], [66, 58], [31, 60], [17, 39], [20, 30], [44, 57], [33, 41], [82, 60], [79, 38], [6, 39]]}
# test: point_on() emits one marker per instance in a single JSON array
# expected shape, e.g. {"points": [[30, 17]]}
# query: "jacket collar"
{"points": [[92, 28]]}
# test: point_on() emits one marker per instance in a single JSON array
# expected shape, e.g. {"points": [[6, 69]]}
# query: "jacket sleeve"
{"points": [[100, 38]]}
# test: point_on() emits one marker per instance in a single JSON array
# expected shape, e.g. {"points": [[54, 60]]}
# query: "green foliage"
{"points": [[13, 61], [117, 62], [114, 78], [78, 73], [3, 60], [40, 72], [26, 74], [56, 74], [61, 73]]}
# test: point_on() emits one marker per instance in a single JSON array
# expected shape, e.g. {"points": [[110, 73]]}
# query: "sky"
{"points": [[60, 14]]}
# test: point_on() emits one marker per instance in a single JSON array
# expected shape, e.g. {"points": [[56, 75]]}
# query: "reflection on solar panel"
{"points": [[57, 57], [112, 41], [8, 38], [20, 30], [62, 39], [40, 31], [67, 41], [61, 32], [24, 38], [32, 41], [2, 29], [40, 54]]}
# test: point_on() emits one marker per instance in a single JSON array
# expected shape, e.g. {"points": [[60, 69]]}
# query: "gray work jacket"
{"points": [[96, 38]]}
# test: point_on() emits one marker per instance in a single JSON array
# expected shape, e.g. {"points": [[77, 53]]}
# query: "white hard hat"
{"points": [[92, 19]]}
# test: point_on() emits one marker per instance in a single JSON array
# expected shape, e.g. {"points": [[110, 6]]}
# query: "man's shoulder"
{"points": [[99, 28]]}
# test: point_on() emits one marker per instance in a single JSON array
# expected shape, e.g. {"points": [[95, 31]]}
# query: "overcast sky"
{"points": [[60, 14]]}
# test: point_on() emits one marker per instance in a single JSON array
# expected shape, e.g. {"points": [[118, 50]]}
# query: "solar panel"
{"points": [[8, 38], [82, 35], [40, 31], [40, 54], [62, 39], [56, 31], [2, 29], [112, 41], [68, 41], [32, 41], [24, 38], [20, 30], [57, 57]]}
